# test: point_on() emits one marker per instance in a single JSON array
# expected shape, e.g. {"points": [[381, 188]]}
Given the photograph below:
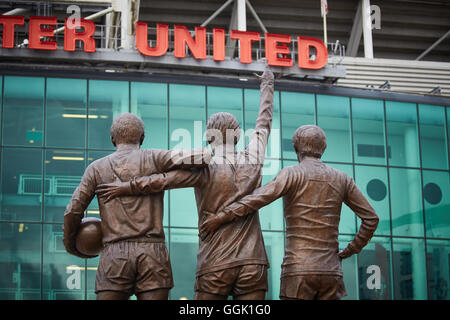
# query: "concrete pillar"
{"points": [[367, 29]]}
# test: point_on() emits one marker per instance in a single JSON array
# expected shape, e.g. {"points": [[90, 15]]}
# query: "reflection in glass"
{"points": [[183, 208], [438, 269], [274, 243], [432, 137], [368, 131], [271, 216], [187, 117], [375, 260], [23, 104], [21, 184], [92, 265], [20, 245], [183, 256], [349, 268], [436, 194], [252, 100], [406, 202], [225, 99], [66, 115], [333, 116], [401, 124], [297, 109], [409, 269], [107, 99], [63, 273], [63, 170], [149, 102], [372, 181]]}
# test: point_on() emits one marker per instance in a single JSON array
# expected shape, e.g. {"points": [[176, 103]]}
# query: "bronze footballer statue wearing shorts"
{"points": [[233, 260], [134, 259], [313, 194]]}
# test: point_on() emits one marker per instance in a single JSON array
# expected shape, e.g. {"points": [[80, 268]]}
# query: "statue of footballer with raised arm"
{"points": [[231, 261]]}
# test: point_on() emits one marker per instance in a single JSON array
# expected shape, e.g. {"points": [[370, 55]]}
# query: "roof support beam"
{"points": [[216, 13], [255, 15], [356, 33], [231, 44], [423, 54]]}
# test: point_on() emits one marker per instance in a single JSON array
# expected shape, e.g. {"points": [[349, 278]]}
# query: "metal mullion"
{"points": [[389, 198], [43, 156], [423, 201], [354, 177]]}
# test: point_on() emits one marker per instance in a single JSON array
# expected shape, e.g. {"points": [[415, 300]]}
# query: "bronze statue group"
{"points": [[232, 259]]}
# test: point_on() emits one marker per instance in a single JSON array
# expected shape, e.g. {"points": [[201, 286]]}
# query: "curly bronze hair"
{"points": [[309, 140], [219, 124], [127, 128]]}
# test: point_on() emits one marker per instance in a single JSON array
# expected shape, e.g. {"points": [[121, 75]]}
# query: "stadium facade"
{"points": [[386, 118]]}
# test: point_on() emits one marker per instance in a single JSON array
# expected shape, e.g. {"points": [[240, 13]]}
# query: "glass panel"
{"points": [[368, 131], [22, 184], [438, 269], [183, 256], [448, 132], [350, 270], [20, 267], [409, 269], [63, 273], [107, 99], [374, 269], [406, 202], [372, 181], [187, 116], [271, 216], [274, 243], [23, 111], [63, 171], [92, 265], [333, 116], [433, 137], [252, 100], [225, 100], [183, 208], [401, 124], [1, 101], [347, 223], [297, 109], [149, 102], [66, 113], [436, 192]]}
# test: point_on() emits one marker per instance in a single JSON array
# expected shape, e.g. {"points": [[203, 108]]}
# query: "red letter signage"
{"points": [[36, 32], [71, 35], [245, 43], [304, 61], [9, 22], [162, 39], [279, 50], [183, 38], [218, 44], [273, 50]]}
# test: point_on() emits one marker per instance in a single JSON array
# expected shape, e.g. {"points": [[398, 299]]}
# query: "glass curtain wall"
{"points": [[52, 128]]}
